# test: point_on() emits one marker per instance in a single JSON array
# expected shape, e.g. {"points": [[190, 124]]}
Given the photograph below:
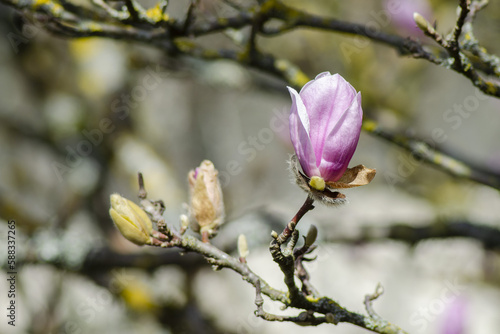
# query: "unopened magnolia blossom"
{"points": [[206, 205], [133, 223], [325, 124]]}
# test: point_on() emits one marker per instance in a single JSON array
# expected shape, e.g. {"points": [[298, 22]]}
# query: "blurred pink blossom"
{"points": [[453, 319], [402, 11]]}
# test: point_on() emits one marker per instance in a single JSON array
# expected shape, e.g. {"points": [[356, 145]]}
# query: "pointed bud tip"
{"points": [[206, 206], [243, 246], [115, 200], [184, 221], [421, 22]]}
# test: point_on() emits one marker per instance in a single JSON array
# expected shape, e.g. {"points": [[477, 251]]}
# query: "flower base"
{"points": [[353, 177]]}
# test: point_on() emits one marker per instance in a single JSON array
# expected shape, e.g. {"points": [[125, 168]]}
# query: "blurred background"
{"points": [[80, 118]]}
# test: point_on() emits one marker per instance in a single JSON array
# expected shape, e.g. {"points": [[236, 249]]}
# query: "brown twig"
{"points": [[131, 7], [142, 191], [307, 288], [287, 232]]}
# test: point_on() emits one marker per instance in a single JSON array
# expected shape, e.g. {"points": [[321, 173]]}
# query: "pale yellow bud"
{"points": [[423, 24], [132, 222], [184, 221], [243, 246], [184, 224], [206, 205]]}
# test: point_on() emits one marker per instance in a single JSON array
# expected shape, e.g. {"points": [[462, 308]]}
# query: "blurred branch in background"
{"points": [[488, 236], [155, 27], [177, 37], [428, 153]]}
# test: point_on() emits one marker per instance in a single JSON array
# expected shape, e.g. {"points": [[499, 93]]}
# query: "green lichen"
{"points": [[156, 14], [369, 125], [312, 299], [222, 21], [293, 75], [39, 3], [94, 27], [184, 45], [55, 8], [491, 88]]}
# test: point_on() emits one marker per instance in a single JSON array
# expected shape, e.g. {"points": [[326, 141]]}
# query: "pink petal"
{"points": [[341, 142], [299, 128], [321, 75], [326, 98]]}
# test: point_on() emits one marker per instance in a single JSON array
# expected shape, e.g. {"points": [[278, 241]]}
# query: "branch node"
{"points": [[331, 318], [292, 242]]}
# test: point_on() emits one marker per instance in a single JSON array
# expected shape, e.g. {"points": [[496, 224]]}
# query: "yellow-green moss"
{"points": [[369, 125], [156, 14], [53, 7]]}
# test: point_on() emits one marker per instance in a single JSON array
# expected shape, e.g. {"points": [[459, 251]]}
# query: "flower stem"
{"points": [[287, 232]]}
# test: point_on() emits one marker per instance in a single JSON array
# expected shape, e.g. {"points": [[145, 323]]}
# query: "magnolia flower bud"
{"points": [[243, 246], [325, 124], [206, 206], [423, 24], [132, 222]]}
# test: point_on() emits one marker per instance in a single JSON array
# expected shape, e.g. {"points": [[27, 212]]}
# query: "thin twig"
{"points": [[188, 21], [457, 31], [142, 190], [379, 290], [287, 232], [132, 9]]}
